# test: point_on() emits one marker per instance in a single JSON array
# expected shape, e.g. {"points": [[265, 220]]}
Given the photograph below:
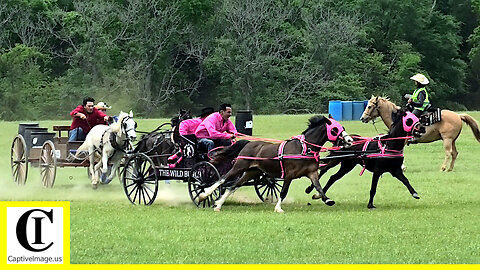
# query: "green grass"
{"points": [[441, 227]]}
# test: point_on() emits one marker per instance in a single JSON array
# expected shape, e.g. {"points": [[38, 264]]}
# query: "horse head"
{"points": [[128, 125], [371, 111], [323, 129]]}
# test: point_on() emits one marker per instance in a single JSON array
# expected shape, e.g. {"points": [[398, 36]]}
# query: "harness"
{"points": [[334, 131], [409, 122], [112, 139]]}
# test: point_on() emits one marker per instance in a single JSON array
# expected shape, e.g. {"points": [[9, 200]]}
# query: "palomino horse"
{"points": [[447, 130], [288, 160], [379, 155], [112, 142]]}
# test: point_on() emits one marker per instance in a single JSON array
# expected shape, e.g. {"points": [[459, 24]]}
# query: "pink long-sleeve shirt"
{"points": [[188, 127], [214, 127]]}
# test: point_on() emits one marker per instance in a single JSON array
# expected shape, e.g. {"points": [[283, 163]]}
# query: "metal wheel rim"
{"points": [[267, 187], [48, 164], [140, 180], [196, 185], [18, 160]]}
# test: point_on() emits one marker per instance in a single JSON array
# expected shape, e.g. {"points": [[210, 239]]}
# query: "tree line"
{"points": [[271, 56]]}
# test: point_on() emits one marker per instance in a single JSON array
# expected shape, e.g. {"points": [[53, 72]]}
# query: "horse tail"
{"points": [[472, 123], [230, 152]]}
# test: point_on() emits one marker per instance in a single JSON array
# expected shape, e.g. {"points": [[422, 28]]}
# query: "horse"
{"points": [[289, 160], [448, 129], [157, 144], [378, 155], [112, 142]]}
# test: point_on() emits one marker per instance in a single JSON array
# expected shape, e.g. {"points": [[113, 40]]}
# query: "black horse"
{"points": [[380, 155], [158, 144], [288, 160]]}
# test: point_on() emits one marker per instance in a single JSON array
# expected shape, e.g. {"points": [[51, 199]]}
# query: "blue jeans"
{"points": [[207, 143], [77, 134]]}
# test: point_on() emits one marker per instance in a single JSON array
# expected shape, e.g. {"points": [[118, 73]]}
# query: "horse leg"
{"points": [[345, 168], [91, 158], [314, 178], [116, 164], [454, 156], [398, 173], [283, 194], [373, 189], [104, 165], [236, 170], [323, 170], [230, 190], [447, 146]]}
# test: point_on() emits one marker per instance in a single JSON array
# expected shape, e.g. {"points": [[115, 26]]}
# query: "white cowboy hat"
{"points": [[420, 78], [102, 105]]}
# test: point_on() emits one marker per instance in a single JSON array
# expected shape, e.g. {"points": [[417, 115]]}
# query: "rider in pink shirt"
{"points": [[188, 127], [217, 129]]}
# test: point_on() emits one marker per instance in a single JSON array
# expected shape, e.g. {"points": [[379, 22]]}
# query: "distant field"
{"points": [[441, 227]]}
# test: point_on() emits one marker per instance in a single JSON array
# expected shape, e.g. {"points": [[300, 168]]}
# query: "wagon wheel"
{"points": [[48, 164], [202, 175], [267, 188], [19, 160], [140, 179]]}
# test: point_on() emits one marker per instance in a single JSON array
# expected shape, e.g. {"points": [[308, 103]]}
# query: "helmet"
{"points": [[420, 78]]}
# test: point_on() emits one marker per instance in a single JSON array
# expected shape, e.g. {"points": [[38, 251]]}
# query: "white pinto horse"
{"points": [[111, 142]]}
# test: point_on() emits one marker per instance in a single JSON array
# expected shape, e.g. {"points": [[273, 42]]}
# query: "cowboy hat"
{"points": [[206, 112], [102, 106], [420, 78]]}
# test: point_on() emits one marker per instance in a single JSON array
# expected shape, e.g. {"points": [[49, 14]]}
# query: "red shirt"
{"points": [[93, 119]]}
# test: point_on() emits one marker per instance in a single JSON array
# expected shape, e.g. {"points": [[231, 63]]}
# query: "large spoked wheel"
{"points": [[140, 179], [19, 160], [267, 188], [203, 175], [48, 164]]}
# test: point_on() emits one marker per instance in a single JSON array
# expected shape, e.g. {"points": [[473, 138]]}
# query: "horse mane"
{"points": [[314, 122], [115, 127], [387, 100]]}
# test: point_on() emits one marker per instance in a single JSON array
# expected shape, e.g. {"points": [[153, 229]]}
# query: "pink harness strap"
{"points": [[280, 156]]}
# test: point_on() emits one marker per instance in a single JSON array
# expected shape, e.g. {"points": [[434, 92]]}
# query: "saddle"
{"points": [[430, 116]]}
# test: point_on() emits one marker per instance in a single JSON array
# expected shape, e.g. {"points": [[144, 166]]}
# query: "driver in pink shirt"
{"points": [[217, 129], [187, 127]]}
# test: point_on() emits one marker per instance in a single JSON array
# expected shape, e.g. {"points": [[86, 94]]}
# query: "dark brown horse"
{"points": [[289, 160], [381, 155]]}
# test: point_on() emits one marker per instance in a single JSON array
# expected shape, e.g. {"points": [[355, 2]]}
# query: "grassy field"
{"points": [[441, 227]]}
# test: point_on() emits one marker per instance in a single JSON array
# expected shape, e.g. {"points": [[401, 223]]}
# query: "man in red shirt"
{"points": [[85, 117]]}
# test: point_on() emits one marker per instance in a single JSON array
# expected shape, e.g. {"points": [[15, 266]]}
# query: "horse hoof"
{"points": [[279, 210], [316, 197], [103, 178], [329, 202], [217, 209], [309, 189], [415, 195], [371, 207]]}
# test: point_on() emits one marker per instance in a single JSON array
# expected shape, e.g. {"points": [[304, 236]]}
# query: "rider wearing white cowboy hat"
{"points": [[102, 106], [418, 101]]}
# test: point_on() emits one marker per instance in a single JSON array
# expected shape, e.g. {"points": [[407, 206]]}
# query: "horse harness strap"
{"points": [[303, 155], [383, 152]]}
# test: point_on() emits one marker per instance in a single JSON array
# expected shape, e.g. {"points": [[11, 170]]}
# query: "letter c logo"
{"points": [[22, 230]]}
